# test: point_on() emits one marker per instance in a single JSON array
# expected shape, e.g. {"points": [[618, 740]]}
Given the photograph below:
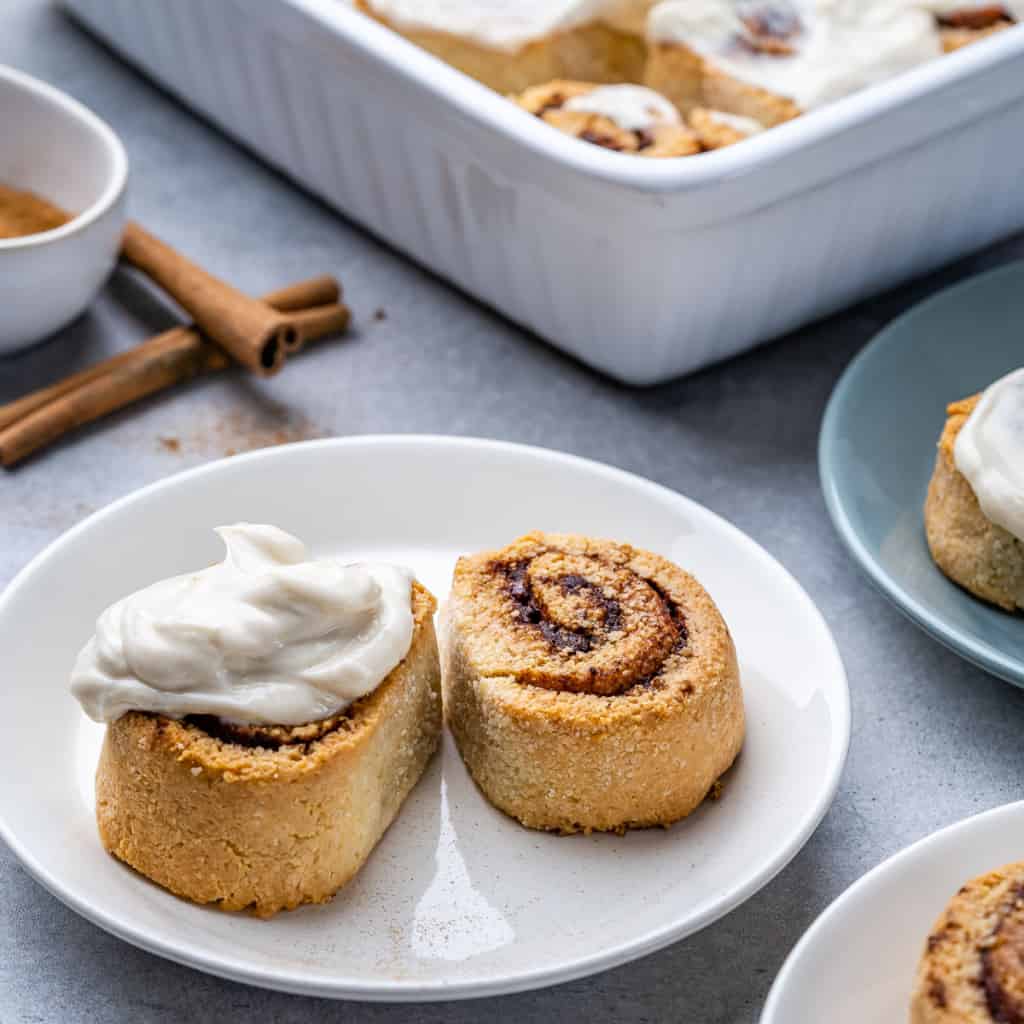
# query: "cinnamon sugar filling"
{"points": [[607, 629], [268, 737], [1002, 965], [770, 29]]}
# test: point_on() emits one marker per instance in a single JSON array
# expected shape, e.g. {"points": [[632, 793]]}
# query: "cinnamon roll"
{"points": [[589, 685], [267, 717], [771, 60], [972, 968], [974, 510], [624, 118]]}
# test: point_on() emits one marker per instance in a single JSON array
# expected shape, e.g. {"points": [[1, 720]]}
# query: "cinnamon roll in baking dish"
{"points": [[589, 685], [624, 118], [972, 968], [774, 59]]}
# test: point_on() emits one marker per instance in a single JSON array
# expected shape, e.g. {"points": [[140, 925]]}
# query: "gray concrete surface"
{"points": [[934, 739]]}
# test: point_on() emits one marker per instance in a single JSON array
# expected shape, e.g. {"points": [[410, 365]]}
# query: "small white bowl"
{"points": [[55, 147]]}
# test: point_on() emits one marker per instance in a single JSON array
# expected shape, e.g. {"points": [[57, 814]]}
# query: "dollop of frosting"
{"points": [[633, 108], [265, 636], [808, 51], [989, 451]]}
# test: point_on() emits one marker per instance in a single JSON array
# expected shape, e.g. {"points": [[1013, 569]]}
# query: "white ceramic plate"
{"points": [[457, 900], [857, 961]]}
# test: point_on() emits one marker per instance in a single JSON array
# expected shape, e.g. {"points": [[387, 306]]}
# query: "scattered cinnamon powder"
{"points": [[25, 213], [245, 429]]}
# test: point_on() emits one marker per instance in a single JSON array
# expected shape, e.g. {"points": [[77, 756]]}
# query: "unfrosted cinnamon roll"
{"points": [[624, 118], [972, 968], [589, 685]]}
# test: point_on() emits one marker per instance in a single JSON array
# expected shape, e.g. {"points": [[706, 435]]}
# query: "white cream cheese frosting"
{"points": [[497, 24], [632, 107], [837, 46], [989, 451], [264, 636]]}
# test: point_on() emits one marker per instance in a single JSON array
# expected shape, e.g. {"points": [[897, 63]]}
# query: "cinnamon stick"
{"points": [[317, 291], [256, 335], [168, 359]]}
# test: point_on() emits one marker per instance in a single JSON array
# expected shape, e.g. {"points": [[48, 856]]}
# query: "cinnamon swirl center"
{"points": [[587, 624], [1002, 966], [770, 28]]}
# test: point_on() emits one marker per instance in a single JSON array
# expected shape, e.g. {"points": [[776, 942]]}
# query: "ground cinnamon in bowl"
{"points": [[25, 213]]}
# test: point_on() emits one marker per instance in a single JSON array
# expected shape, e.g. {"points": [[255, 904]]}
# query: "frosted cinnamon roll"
{"points": [[972, 968], [510, 47], [974, 511], [963, 22], [267, 717], [589, 685], [774, 59], [623, 118]]}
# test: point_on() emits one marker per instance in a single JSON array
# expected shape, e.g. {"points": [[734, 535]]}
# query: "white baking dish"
{"points": [[645, 269]]}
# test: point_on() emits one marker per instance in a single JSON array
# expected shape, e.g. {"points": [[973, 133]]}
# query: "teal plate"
{"points": [[877, 450]]}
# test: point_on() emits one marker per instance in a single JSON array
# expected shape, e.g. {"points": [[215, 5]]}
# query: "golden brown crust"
{"points": [[270, 827], [547, 100], [954, 39], [711, 132], [971, 970], [970, 549], [643, 752]]}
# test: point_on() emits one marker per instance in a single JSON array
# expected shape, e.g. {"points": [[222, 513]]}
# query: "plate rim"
{"points": [[770, 1012], [979, 653], [407, 990]]}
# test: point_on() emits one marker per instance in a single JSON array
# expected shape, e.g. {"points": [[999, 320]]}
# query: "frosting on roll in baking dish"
{"points": [[809, 51], [989, 452], [494, 23], [632, 107], [264, 636], [623, 118]]}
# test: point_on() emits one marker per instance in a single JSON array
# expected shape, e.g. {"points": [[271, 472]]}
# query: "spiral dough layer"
{"points": [[972, 969], [589, 685]]}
